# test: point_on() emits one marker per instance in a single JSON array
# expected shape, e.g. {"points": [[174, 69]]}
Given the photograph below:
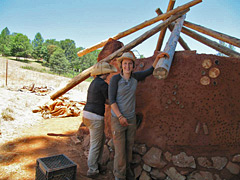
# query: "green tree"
{"points": [[51, 42], [87, 60], [49, 46], [5, 41], [48, 51], [58, 62], [37, 45], [5, 31], [44, 53], [20, 45], [69, 48]]}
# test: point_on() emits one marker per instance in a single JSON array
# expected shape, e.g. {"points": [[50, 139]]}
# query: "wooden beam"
{"points": [[210, 43], [162, 68], [170, 27], [86, 73], [145, 36], [163, 31], [220, 36], [140, 26]]}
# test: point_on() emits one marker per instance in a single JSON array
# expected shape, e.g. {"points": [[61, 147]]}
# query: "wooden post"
{"points": [[170, 27], [86, 73], [140, 26], [220, 36], [210, 43], [6, 71], [163, 31], [163, 66]]}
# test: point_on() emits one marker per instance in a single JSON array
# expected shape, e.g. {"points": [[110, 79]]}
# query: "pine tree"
{"points": [[5, 41], [37, 44]]}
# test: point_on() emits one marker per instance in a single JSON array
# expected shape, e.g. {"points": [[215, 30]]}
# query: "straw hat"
{"points": [[127, 55], [102, 68]]}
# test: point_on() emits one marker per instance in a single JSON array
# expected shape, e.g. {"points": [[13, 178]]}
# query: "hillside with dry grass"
{"points": [[24, 136], [15, 105]]}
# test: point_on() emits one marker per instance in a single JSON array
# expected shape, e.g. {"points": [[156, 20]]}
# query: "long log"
{"points": [[170, 27], [163, 31], [140, 26], [86, 73], [162, 68], [220, 36], [210, 43]]}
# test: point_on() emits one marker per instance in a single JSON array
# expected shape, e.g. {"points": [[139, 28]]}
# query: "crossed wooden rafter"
{"points": [[168, 19]]}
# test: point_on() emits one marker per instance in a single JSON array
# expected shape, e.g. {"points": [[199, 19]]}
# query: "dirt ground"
{"points": [[24, 139]]}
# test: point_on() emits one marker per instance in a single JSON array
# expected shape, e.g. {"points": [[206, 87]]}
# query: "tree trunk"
{"points": [[163, 66], [140, 26]]}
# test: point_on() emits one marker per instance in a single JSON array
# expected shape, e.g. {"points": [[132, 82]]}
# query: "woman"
{"points": [[93, 115], [122, 90]]}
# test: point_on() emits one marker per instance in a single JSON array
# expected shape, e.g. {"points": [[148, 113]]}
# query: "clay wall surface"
{"points": [[181, 114]]}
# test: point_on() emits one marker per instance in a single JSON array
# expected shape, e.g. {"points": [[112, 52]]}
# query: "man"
{"points": [[93, 114]]}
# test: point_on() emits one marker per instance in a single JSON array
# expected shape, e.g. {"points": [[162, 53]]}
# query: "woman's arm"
{"points": [[123, 121], [160, 55], [141, 75]]}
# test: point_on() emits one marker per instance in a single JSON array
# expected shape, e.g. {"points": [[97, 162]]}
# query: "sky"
{"points": [[89, 22]]}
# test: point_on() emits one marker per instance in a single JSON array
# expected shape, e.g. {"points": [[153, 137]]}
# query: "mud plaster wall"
{"points": [[179, 113]]}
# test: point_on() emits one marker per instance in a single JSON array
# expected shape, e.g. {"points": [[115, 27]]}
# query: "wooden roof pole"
{"points": [[140, 26], [86, 73], [210, 43], [162, 68], [220, 36], [163, 31], [170, 27]]}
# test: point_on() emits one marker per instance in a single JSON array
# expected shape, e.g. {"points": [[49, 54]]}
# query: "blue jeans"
{"points": [[97, 140]]}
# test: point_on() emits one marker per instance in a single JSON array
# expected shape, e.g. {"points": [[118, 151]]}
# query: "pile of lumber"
{"points": [[61, 107], [40, 91]]}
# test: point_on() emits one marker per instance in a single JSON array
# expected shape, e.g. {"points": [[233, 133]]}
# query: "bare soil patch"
{"points": [[24, 139]]}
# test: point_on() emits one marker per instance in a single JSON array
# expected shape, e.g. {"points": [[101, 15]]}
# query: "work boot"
{"points": [[116, 178], [92, 174], [102, 169], [130, 175]]}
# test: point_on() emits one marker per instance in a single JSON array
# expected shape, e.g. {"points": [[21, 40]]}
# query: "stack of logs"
{"points": [[40, 91], [61, 107]]}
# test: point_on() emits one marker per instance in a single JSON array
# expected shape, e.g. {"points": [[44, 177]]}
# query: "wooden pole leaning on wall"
{"points": [[170, 27], [220, 36], [210, 43], [86, 73], [140, 26], [163, 31], [162, 68]]}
